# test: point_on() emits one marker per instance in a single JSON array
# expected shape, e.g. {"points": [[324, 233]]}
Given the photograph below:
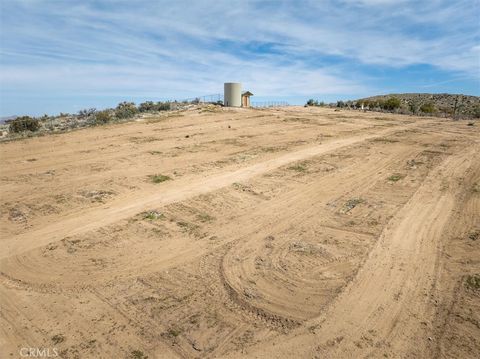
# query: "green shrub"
{"points": [[476, 111], [58, 338], [147, 106], [103, 117], [125, 110], [368, 103], [86, 113], [413, 107], [173, 332], [159, 178], [427, 108], [396, 177], [138, 354], [299, 168], [24, 123], [391, 104], [473, 282], [313, 102], [162, 106], [340, 104]]}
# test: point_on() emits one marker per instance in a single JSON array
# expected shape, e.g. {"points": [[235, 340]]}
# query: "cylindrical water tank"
{"points": [[232, 94]]}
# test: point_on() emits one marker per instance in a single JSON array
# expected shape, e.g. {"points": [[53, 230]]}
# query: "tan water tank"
{"points": [[232, 94]]}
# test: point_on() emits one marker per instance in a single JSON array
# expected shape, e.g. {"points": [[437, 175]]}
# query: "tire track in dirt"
{"points": [[236, 267], [173, 192], [381, 310]]}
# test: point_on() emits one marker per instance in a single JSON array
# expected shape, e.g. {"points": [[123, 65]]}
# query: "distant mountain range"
{"points": [[7, 118]]}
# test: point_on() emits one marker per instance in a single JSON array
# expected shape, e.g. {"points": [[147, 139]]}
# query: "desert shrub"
{"points": [[446, 110], [125, 110], [152, 106], [413, 107], [473, 282], [58, 338], [340, 104], [476, 111], [396, 177], [162, 106], [159, 178], [313, 102], [298, 168], [391, 104], [146, 106], [427, 108], [86, 112], [368, 103], [24, 123], [103, 117], [138, 354]]}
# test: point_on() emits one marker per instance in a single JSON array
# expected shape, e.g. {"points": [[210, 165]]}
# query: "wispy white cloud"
{"points": [[185, 48]]}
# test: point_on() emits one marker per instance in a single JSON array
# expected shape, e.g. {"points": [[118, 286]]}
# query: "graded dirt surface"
{"points": [[244, 233]]}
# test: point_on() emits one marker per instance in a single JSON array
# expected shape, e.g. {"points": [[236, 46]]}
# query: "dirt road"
{"points": [[278, 233]]}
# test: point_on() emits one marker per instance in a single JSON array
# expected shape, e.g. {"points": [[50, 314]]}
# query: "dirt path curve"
{"points": [[169, 193], [382, 312]]}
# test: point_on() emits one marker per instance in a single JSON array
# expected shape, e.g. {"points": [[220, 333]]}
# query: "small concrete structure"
{"points": [[232, 94], [246, 98]]}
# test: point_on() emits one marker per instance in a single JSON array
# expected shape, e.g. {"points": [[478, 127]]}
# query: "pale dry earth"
{"points": [[281, 233]]}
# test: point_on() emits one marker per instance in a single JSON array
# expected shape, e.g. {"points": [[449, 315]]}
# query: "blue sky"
{"points": [[62, 56]]}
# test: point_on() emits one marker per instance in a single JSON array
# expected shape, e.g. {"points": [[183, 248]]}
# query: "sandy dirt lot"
{"points": [[275, 233]]}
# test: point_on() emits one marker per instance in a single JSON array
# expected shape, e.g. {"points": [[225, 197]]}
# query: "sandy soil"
{"points": [[292, 232]]}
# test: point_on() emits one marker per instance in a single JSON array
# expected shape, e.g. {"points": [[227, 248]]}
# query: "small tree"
{"points": [[310, 102], [24, 123], [125, 110], [340, 104]]}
